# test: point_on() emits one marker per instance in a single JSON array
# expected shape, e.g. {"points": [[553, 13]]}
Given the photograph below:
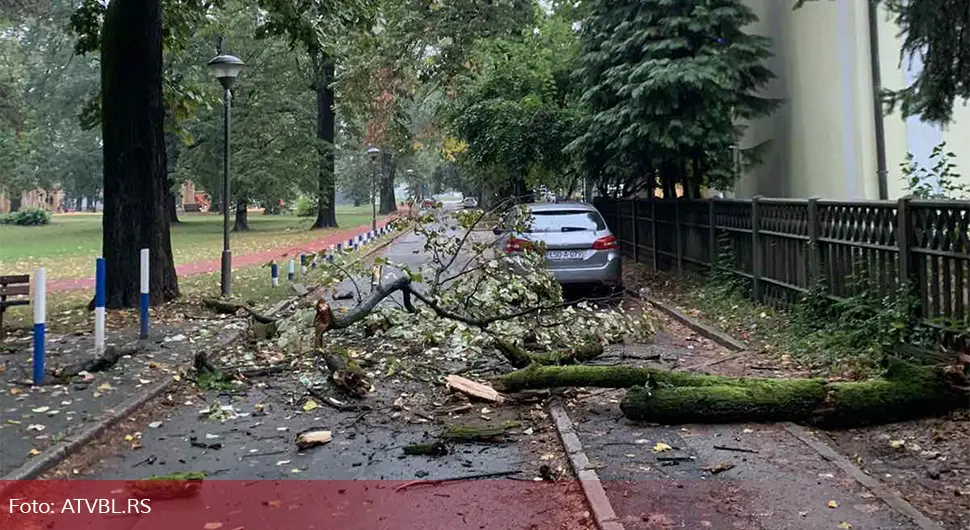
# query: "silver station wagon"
{"points": [[580, 249]]}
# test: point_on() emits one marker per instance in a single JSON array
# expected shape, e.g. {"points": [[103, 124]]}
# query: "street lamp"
{"points": [[225, 68], [373, 152], [410, 173]]}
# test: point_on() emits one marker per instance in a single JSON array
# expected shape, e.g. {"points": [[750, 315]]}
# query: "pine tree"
{"points": [[671, 86]]}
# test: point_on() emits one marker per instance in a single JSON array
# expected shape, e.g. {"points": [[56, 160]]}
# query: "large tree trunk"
{"points": [[388, 203], [170, 202], [660, 396], [173, 148], [242, 217], [326, 133], [134, 153]]}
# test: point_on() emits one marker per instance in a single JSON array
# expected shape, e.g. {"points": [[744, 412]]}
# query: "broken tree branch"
{"points": [[413, 483], [109, 358], [346, 374], [520, 358], [230, 308]]}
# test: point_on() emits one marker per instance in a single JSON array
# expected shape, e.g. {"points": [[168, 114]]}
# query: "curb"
{"points": [[53, 456], [703, 329], [599, 503], [877, 488]]}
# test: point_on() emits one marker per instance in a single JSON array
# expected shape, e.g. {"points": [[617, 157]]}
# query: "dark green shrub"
{"points": [[27, 217]]}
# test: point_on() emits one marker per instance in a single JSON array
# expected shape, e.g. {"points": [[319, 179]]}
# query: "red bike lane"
{"points": [[245, 260]]}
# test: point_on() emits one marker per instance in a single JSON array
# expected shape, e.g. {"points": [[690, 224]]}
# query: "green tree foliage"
{"points": [[518, 108], [670, 86], [42, 86], [273, 145]]}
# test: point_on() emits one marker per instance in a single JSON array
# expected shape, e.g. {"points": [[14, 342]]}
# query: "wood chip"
{"points": [[308, 439], [471, 388], [720, 468]]}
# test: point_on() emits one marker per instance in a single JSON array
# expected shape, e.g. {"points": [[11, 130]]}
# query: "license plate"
{"points": [[564, 255]]}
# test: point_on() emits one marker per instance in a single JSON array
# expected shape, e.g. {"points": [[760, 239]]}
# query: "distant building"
{"points": [[50, 200]]}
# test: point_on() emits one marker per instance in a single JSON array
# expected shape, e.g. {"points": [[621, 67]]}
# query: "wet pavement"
{"points": [[765, 478], [32, 419]]}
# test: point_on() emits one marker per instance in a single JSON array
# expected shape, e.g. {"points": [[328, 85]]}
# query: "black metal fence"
{"points": [[782, 247]]}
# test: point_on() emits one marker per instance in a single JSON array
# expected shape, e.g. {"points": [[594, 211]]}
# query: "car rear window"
{"points": [[566, 221]]}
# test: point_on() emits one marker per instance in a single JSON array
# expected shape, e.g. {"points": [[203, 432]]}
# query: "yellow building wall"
{"points": [[823, 135]]}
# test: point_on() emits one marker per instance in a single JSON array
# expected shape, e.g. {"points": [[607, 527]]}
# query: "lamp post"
{"points": [[373, 152], [410, 173], [225, 68]]}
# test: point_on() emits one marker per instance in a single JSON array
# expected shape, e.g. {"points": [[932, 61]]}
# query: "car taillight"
{"points": [[605, 243], [518, 245]]}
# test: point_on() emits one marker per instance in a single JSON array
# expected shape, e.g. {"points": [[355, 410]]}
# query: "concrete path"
{"points": [[35, 419], [766, 479]]}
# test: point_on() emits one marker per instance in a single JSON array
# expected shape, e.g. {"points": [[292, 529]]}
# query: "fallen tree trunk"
{"points": [[536, 377], [346, 374], [905, 391], [520, 358]]}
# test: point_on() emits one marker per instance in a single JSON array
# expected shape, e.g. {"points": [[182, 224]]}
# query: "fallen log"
{"points": [[346, 374], [230, 308], [538, 377], [905, 392], [520, 358]]}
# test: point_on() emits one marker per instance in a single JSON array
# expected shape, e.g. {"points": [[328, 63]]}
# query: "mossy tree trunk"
{"points": [[905, 391]]}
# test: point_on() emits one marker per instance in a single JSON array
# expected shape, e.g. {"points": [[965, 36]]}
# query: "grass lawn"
{"points": [[70, 243], [67, 310]]}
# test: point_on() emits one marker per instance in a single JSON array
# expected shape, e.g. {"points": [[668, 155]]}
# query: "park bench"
{"points": [[17, 287]]}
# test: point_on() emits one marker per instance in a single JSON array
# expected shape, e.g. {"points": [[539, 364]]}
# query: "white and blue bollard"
{"points": [[99, 299], [302, 264], [143, 299], [350, 244], [40, 330], [313, 261], [274, 271], [330, 255], [340, 247], [290, 270]]}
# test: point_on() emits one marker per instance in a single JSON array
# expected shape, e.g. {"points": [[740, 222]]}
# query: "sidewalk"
{"points": [[35, 419], [245, 260], [751, 476]]}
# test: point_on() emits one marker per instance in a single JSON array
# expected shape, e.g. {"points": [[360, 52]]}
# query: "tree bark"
{"points": [[905, 391], [387, 203], [326, 133], [134, 153], [520, 358], [173, 148], [242, 217], [346, 374]]}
